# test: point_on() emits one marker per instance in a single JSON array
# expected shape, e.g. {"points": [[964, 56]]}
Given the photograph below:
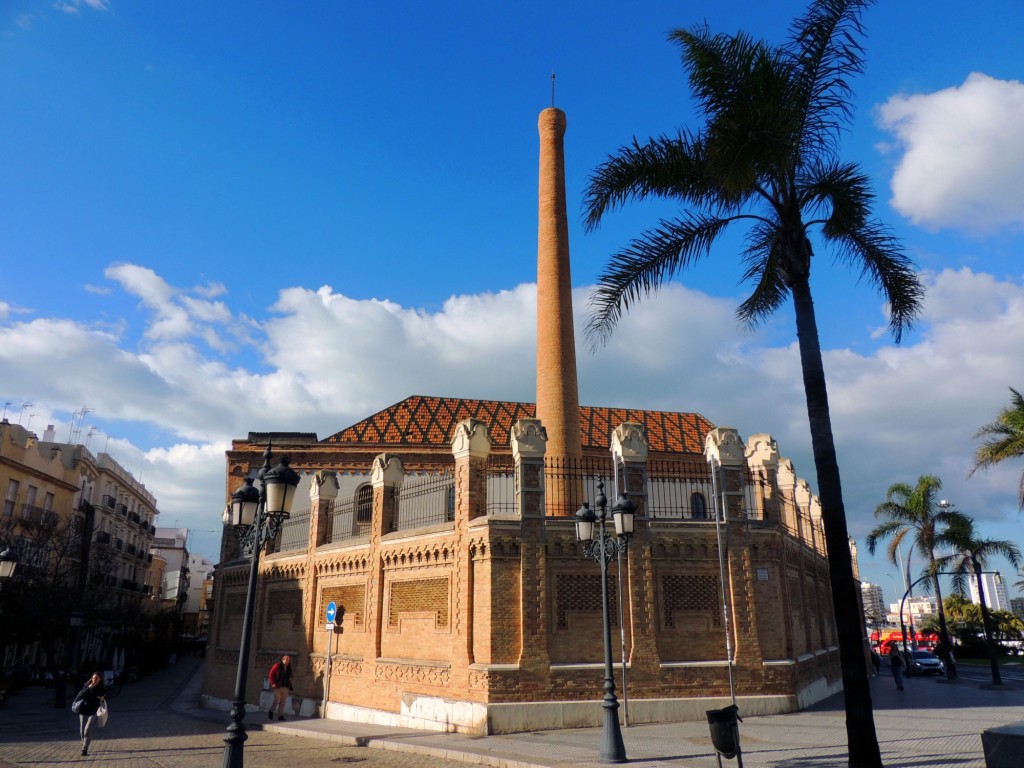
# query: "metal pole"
{"points": [[234, 742], [622, 631], [720, 503], [612, 748], [327, 675]]}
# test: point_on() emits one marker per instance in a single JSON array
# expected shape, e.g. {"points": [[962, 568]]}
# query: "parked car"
{"points": [[924, 663]]}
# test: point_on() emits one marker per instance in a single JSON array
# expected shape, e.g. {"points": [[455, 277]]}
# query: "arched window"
{"points": [[698, 506], [364, 504]]}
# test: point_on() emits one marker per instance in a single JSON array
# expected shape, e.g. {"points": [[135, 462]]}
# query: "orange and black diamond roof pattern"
{"points": [[423, 421]]}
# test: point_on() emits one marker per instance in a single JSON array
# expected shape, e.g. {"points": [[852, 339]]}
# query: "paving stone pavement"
{"points": [[158, 723]]}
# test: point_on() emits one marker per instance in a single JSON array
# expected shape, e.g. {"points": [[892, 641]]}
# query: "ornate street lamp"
{"points": [[601, 546], [8, 562], [257, 515]]}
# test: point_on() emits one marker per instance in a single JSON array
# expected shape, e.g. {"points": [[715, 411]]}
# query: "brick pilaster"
{"points": [[471, 445], [386, 477], [323, 490], [529, 442], [629, 449]]}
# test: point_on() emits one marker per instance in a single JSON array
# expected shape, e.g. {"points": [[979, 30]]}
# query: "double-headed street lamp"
{"points": [[257, 515], [600, 545]]}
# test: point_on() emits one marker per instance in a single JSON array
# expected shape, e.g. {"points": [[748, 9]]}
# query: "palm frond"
{"points": [[825, 50], [663, 167], [1004, 439], [646, 264], [763, 269], [881, 258]]}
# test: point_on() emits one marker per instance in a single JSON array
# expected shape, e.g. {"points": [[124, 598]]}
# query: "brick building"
{"points": [[443, 530]]}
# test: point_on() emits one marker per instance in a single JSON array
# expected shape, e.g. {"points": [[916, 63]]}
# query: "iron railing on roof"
{"points": [[295, 531], [570, 482], [501, 486], [346, 523], [424, 500], [680, 489]]}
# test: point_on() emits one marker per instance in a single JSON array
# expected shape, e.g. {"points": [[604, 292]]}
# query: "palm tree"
{"points": [[970, 554], [767, 157], [1003, 439], [912, 514]]}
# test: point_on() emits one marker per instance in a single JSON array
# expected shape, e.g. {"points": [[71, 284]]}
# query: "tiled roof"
{"points": [[420, 420]]}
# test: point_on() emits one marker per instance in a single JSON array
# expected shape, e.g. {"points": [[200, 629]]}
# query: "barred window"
{"points": [[364, 504]]}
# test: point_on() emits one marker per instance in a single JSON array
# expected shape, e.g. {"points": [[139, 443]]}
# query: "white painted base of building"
{"points": [[432, 713]]}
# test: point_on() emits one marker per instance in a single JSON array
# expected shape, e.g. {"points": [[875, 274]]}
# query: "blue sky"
{"points": [[227, 217]]}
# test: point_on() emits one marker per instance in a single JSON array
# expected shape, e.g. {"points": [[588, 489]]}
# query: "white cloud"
{"points": [[72, 6], [327, 360], [962, 162]]}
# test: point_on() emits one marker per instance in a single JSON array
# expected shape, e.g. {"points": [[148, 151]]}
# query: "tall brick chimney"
{"points": [[558, 400]]}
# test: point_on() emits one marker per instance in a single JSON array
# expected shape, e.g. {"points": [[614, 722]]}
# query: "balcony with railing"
{"points": [[119, 544], [122, 510], [109, 502], [102, 537], [31, 513]]}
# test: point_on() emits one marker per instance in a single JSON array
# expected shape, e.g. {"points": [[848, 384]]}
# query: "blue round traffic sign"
{"points": [[332, 611]]}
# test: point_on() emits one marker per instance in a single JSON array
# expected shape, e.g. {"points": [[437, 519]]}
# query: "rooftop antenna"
{"points": [[552, 88], [9, 402], [23, 407]]}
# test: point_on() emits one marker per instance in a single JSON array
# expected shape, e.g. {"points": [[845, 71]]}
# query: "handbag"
{"points": [[76, 706], [102, 714]]}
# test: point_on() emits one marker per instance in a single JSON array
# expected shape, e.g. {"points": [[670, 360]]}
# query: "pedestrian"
{"points": [[280, 685], [88, 702], [876, 661], [896, 664]]}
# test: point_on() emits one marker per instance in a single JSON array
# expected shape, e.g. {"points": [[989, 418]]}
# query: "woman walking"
{"points": [[89, 700], [896, 663]]}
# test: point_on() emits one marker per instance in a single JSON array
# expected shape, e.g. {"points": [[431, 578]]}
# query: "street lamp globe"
{"points": [[623, 513], [243, 506], [585, 519], [280, 484], [8, 562]]}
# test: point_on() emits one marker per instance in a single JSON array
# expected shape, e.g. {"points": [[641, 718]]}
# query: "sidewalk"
{"points": [[932, 724]]}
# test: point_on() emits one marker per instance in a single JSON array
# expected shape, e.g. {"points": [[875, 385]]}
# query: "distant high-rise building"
{"points": [[1017, 606], [995, 591], [874, 603]]}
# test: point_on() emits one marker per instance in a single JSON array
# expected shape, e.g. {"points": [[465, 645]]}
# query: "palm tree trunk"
{"points": [[862, 740], [943, 627], [986, 621]]}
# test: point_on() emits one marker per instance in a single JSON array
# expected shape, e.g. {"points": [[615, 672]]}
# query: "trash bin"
{"points": [[725, 732]]}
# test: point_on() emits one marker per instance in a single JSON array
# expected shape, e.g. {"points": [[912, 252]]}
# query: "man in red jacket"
{"points": [[280, 685]]}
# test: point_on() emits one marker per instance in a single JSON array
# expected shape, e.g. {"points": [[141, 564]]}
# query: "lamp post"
{"points": [[257, 515], [600, 545]]}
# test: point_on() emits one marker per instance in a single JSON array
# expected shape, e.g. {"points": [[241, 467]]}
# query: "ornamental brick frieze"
{"points": [[690, 548], [340, 565], [402, 672], [418, 556], [226, 656], [233, 577], [340, 665], [503, 682], [289, 571]]}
